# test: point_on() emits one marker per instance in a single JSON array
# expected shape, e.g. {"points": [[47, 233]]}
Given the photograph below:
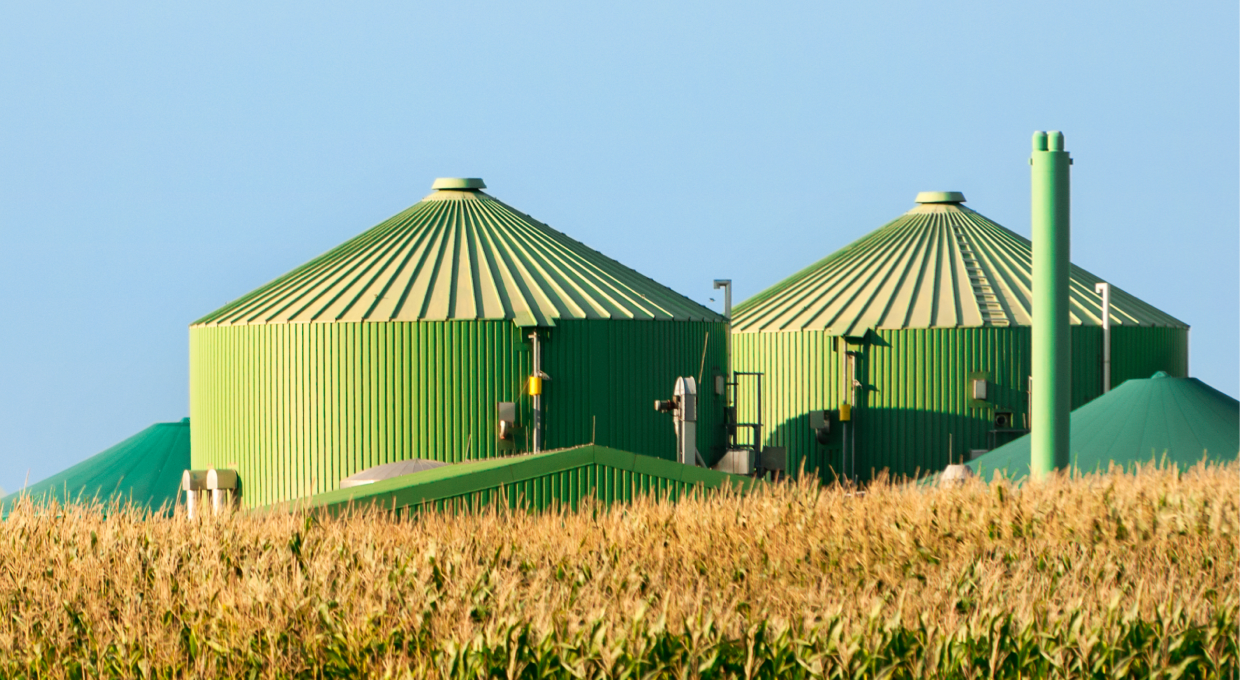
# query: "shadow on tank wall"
{"points": [[898, 440], [806, 454], [913, 399]]}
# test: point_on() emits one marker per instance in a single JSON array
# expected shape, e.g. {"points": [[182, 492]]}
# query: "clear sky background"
{"points": [[160, 159]]}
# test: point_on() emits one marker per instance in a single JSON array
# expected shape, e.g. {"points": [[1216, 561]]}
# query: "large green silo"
{"points": [[920, 309], [400, 343]]}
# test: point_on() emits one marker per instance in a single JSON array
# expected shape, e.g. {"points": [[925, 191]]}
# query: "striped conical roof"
{"points": [[460, 254], [940, 265]]}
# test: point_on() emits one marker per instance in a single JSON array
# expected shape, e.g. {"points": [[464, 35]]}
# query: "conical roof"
{"points": [[1181, 419], [145, 468], [940, 265], [460, 254]]}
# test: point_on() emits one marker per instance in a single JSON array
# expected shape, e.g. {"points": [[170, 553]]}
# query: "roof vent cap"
{"points": [[459, 183], [940, 197]]}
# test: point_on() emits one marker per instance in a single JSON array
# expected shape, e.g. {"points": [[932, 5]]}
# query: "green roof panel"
{"points": [[460, 254], [940, 265], [563, 476]]}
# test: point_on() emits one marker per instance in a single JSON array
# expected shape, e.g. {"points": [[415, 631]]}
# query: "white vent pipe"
{"points": [[193, 482], [1104, 289]]}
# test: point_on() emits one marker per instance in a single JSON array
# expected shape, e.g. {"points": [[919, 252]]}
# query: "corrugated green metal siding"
{"points": [[1141, 352], [801, 372], [1086, 363], [297, 407], [916, 387], [917, 402], [628, 365]]}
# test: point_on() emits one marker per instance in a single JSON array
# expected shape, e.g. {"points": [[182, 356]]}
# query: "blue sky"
{"points": [[160, 159]]}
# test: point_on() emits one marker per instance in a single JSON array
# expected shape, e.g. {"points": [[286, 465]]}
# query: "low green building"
{"points": [[892, 335], [439, 334], [537, 482]]}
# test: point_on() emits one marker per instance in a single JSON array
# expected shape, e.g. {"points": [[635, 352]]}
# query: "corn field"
{"points": [[1108, 575]]}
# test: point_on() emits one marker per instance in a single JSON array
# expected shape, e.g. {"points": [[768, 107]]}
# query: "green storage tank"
{"points": [[144, 470], [1161, 420], [402, 342], [911, 316]]}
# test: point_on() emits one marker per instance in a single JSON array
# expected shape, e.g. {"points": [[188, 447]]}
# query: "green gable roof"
{"points": [[1163, 419], [535, 481], [146, 468], [460, 254]]}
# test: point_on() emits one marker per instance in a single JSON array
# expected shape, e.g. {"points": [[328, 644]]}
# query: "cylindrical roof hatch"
{"points": [[939, 197], [458, 183]]}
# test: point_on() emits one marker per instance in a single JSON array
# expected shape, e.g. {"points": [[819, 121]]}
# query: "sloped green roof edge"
{"points": [[452, 481], [1160, 419], [145, 469]]}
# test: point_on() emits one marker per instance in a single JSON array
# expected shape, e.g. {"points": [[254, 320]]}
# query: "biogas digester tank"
{"points": [[901, 324], [400, 343]]}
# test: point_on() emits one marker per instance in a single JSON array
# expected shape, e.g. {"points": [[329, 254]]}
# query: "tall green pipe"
{"points": [[1051, 361]]}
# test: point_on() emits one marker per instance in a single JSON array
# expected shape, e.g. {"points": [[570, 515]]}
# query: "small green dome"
{"points": [[1159, 419]]}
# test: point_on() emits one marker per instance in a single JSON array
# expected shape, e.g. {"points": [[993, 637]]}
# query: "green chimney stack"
{"points": [[1051, 360]]}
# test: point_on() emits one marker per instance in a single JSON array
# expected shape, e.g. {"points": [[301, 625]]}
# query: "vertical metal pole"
{"points": [[731, 388], [1104, 289], [758, 429], [844, 451], [1051, 341], [844, 392], [852, 399], [536, 399], [726, 285]]}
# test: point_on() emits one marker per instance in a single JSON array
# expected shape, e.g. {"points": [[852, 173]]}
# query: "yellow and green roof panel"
{"points": [[460, 254], [940, 265]]}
